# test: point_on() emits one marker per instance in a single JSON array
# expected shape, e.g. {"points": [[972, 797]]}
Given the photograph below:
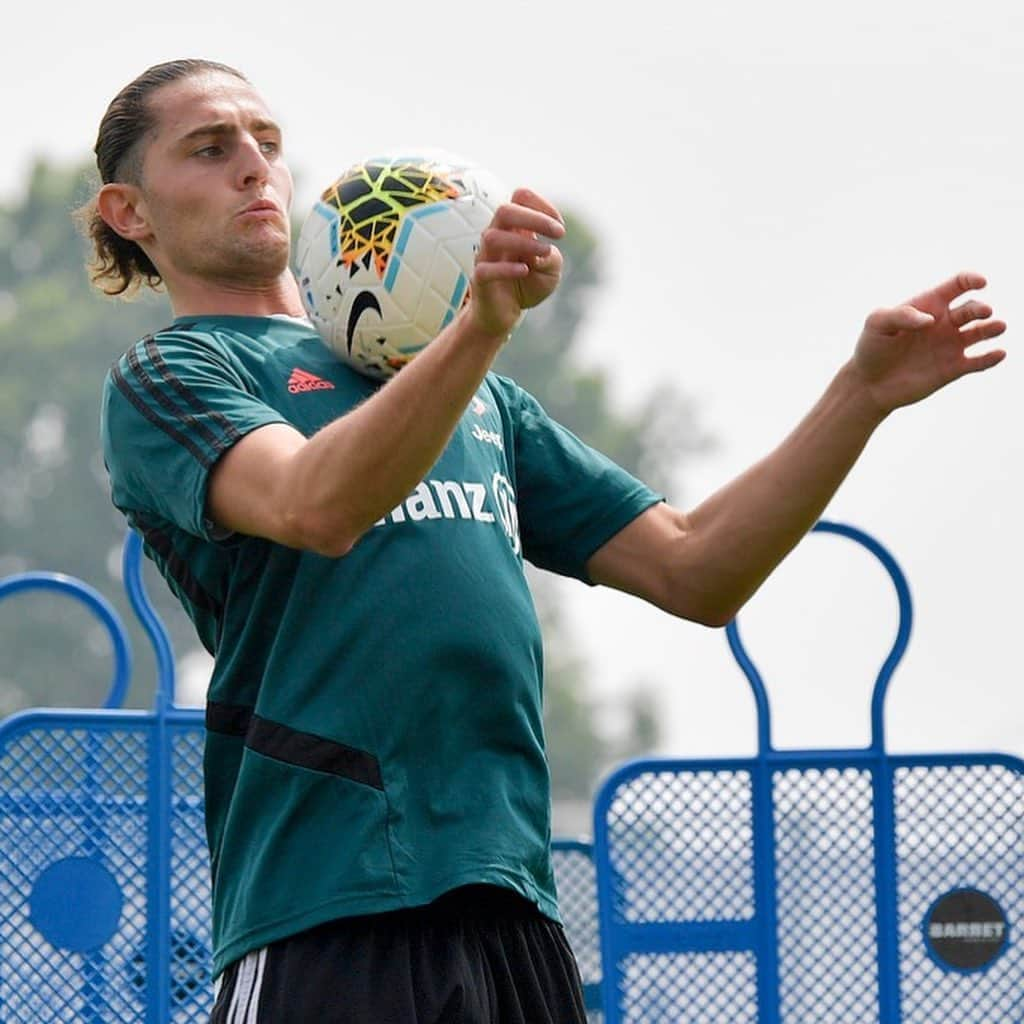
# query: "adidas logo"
{"points": [[301, 381]]}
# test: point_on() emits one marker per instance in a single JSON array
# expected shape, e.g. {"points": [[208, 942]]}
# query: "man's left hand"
{"points": [[910, 351]]}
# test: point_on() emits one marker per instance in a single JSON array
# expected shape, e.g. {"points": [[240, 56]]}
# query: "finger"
{"points": [[969, 311], [982, 332], [496, 243], [515, 217], [984, 360], [487, 273], [534, 200], [898, 318], [965, 281], [550, 263]]}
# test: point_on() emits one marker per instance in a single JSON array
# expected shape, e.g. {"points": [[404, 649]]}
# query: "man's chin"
{"points": [[263, 257]]}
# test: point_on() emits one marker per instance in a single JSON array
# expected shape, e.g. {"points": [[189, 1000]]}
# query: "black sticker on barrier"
{"points": [[965, 930]]}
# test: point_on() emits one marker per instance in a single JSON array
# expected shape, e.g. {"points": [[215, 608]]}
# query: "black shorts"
{"points": [[478, 955]]}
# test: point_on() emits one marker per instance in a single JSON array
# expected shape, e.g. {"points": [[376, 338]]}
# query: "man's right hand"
{"points": [[515, 269]]}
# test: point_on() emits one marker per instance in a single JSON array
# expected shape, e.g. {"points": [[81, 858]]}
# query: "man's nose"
{"points": [[253, 166]]}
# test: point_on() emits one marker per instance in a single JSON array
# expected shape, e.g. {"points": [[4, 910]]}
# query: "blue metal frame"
{"points": [[96, 603], [758, 935], [768, 755], [160, 725]]}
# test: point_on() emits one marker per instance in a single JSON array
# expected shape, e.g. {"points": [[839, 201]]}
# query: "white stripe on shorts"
{"points": [[243, 986], [254, 998]]}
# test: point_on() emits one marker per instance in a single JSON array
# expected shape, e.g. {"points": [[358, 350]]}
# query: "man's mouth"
{"points": [[261, 208]]}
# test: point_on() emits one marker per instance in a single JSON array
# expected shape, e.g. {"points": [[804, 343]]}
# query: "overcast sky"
{"points": [[760, 177]]}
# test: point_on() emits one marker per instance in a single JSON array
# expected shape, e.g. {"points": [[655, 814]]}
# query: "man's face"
{"points": [[215, 187]]}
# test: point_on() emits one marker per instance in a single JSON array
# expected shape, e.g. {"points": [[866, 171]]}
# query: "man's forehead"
{"points": [[209, 98]]}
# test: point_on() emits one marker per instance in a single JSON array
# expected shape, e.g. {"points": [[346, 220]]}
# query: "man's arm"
{"points": [[322, 493], [705, 564]]}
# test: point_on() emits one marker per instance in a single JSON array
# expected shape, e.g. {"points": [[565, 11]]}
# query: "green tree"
{"points": [[57, 338]]}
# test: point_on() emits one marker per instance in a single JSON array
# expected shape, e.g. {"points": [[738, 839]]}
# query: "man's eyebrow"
{"points": [[264, 124], [229, 128]]}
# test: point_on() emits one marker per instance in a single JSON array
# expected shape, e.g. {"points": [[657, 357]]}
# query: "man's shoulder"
{"points": [[224, 346], [504, 391], [185, 365], [229, 337], [175, 344]]}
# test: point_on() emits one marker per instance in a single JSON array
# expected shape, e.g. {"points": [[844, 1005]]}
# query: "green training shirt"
{"points": [[374, 731]]}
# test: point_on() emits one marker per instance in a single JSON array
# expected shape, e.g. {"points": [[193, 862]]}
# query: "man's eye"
{"points": [[270, 146], [209, 151]]}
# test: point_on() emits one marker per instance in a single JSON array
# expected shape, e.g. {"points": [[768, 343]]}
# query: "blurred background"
{"points": [[743, 184]]}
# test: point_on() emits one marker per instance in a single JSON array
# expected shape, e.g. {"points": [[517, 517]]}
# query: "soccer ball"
{"points": [[385, 256]]}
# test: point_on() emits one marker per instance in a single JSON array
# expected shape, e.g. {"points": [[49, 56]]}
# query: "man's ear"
{"points": [[123, 208]]}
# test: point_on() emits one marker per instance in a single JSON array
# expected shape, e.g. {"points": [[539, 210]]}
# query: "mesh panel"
{"points": [[191, 990], [824, 868], [577, 902], [693, 988], [576, 879], [959, 826], [681, 847], [74, 793], [71, 796]]}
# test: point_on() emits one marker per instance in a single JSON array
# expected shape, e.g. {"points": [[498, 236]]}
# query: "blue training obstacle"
{"points": [[104, 873], [796, 886], [814, 886], [104, 883]]}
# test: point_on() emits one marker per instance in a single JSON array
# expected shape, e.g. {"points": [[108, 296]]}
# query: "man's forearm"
{"points": [[742, 532]]}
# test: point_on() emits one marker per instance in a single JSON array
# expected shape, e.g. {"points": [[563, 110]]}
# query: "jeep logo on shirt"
{"points": [[488, 437]]}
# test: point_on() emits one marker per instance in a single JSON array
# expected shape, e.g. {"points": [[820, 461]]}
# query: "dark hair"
{"points": [[118, 265]]}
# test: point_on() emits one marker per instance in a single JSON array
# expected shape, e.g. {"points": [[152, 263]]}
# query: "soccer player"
{"points": [[352, 554]]}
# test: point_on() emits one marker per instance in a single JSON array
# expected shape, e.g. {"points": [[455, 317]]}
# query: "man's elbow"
{"points": [[309, 530], [703, 613], [706, 607], [716, 618]]}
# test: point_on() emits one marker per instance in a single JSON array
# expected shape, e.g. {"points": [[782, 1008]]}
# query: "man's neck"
{"points": [[198, 298]]}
